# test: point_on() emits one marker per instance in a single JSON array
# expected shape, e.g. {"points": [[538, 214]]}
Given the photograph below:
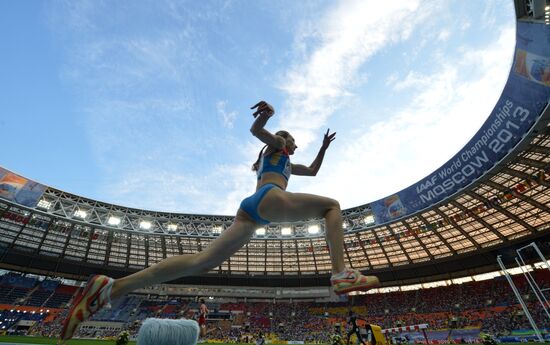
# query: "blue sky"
{"points": [[146, 103]]}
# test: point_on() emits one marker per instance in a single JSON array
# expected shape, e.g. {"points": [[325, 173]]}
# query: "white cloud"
{"points": [[444, 35], [170, 191], [454, 98], [227, 117], [343, 40]]}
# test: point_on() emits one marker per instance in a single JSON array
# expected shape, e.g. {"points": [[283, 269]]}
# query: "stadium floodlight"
{"points": [[286, 231], [369, 220], [344, 225], [217, 229], [313, 229], [44, 204], [145, 225], [260, 231], [113, 220], [172, 227], [80, 214]]}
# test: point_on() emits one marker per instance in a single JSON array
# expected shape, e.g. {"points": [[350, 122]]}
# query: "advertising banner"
{"points": [[19, 189], [523, 99]]}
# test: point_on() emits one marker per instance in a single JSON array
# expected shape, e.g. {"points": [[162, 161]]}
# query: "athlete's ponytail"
{"points": [[256, 164]]}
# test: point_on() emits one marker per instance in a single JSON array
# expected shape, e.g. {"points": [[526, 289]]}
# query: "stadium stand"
{"points": [[456, 312], [458, 234]]}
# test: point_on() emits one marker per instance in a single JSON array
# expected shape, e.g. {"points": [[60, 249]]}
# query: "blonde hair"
{"points": [[256, 164]]}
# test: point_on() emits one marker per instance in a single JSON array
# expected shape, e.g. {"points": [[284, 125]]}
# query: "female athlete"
{"points": [[270, 203]]}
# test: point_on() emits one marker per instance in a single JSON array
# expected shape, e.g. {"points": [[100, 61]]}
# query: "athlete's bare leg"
{"points": [[230, 241], [282, 206]]}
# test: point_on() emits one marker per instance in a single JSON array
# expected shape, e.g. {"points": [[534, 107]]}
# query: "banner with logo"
{"points": [[19, 189], [525, 96]]}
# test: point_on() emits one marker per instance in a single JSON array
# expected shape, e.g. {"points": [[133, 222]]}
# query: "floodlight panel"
{"points": [[80, 214], [145, 224], [43, 203], [313, 229], [113, 220], [260, 231], [286, 231]]}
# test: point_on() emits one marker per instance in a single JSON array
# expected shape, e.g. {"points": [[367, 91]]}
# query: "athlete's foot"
{"points": [[352, 280], [95, 296]]}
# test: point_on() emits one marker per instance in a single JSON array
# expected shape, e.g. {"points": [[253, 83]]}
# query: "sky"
{"points": [[145, 104]]}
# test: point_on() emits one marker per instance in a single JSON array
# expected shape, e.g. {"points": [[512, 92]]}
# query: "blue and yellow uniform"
{"points": [[276, 162]]}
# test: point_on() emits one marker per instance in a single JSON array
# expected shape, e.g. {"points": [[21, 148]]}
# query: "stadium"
{"points": [[460, 254]]}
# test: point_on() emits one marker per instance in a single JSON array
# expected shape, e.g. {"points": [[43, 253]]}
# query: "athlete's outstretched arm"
{"points": [[263, 112], [313, 168]]}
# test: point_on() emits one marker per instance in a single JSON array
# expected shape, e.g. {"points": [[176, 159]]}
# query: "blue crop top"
{"points": [[277, 162]]}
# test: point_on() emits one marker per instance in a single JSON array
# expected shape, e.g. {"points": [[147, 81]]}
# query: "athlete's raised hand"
{"points": [[328, 139], [263, 107]]}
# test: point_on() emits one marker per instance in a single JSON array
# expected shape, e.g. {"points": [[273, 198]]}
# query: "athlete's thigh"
{"points": [[233, 238], [282, 206]]}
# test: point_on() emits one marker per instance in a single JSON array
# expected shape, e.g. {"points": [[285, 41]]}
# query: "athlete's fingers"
{"points": [[264, 107], [257, 104], [261, 107]]}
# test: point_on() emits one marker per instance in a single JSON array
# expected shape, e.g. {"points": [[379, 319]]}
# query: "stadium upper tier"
{"points": [[490, 197]]}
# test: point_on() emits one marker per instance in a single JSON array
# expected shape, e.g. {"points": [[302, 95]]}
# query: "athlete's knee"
{"points": [[332, 205]]}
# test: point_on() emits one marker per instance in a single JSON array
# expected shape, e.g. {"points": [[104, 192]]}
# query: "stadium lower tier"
{"points": [[451, 312]]}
